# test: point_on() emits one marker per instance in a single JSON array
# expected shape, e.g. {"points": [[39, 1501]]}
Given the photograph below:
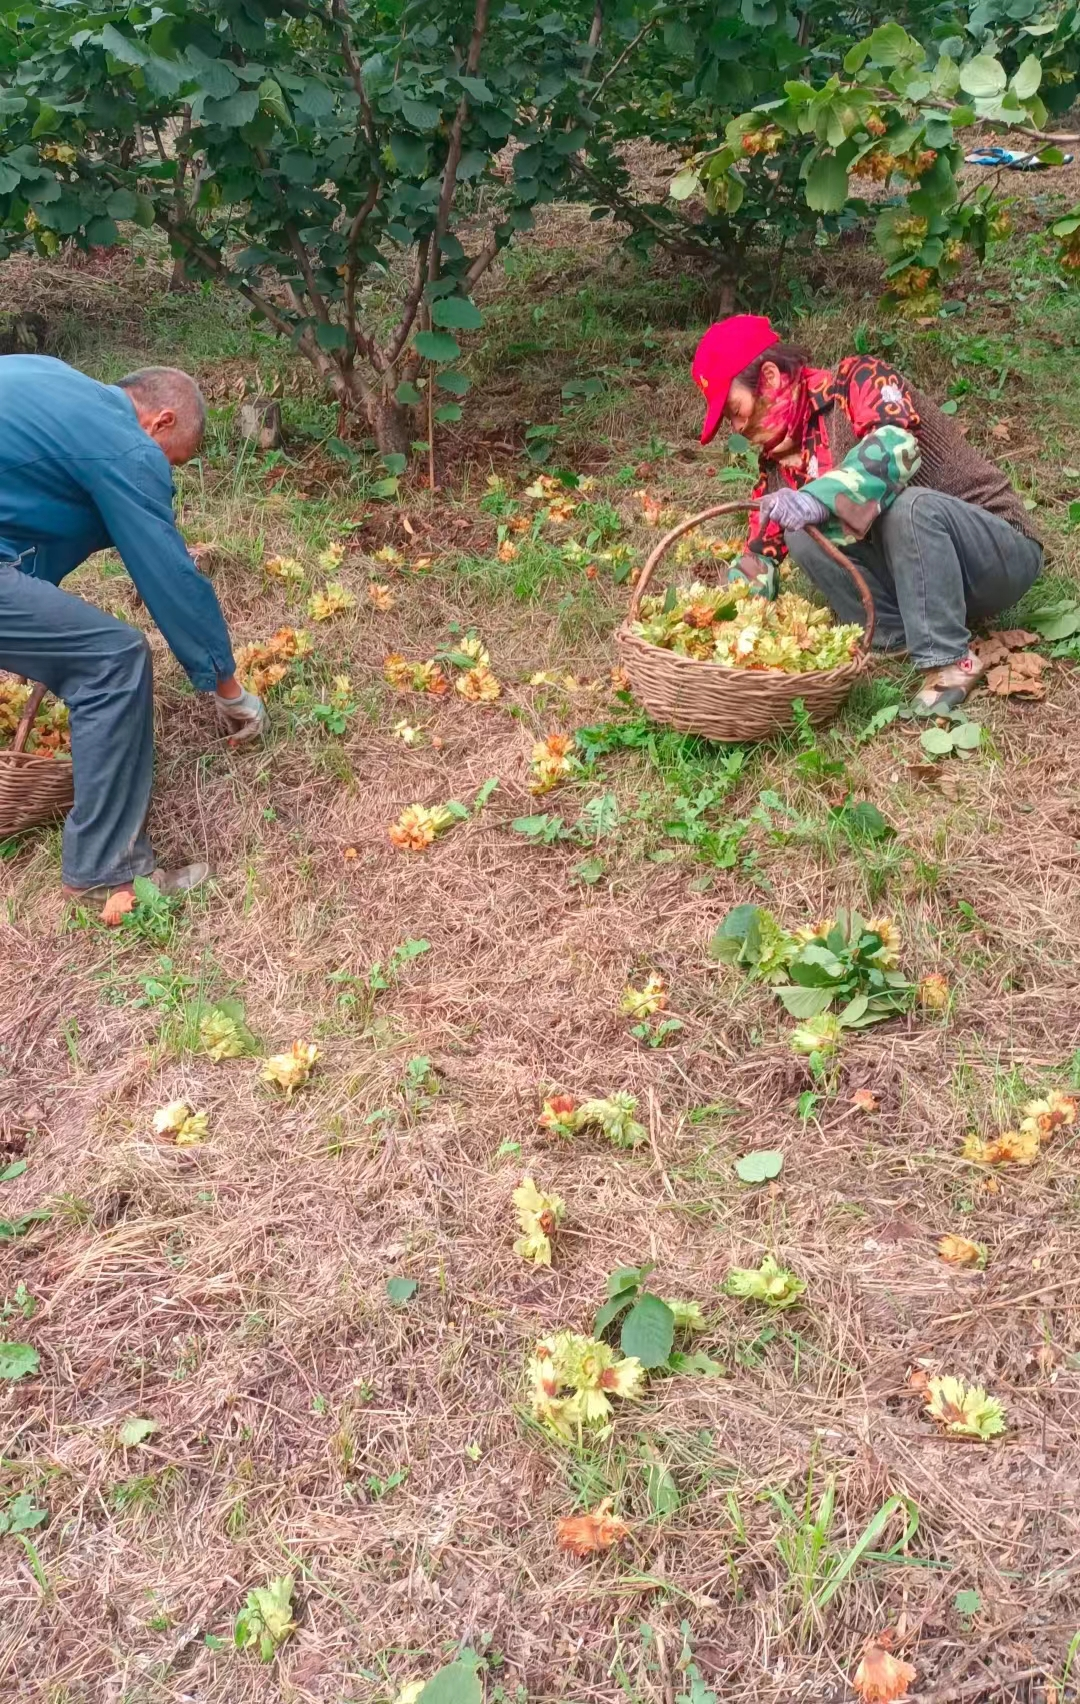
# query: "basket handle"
{"points": [[830, 550], [26, 720]]}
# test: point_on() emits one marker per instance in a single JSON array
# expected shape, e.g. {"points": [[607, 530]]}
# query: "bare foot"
{"points": [[947, 687]]}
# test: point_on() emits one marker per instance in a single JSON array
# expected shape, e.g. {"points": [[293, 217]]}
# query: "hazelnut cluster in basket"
{"points": [[731, 625], [49, 736]]}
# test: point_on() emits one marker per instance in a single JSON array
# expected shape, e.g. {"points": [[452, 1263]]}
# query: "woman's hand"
{"points": [[792, 510]]}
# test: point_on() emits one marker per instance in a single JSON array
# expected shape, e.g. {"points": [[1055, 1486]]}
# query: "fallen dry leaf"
{"points": [[964, 1410], [996, 647], [881, 1677], [1001, 431], [959, 1251], [934, 992], [181, 1122], [1012, 1147], [1020, 677], [290, 1071], [1046, 1116], [117, 906], [866, 1100], [584, 1534]]}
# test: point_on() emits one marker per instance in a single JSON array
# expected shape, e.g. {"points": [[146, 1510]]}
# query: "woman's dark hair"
{"points": [[789, 357]]}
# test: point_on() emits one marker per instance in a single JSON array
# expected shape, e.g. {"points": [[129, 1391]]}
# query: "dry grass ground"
{"points": [[234, 1292]]}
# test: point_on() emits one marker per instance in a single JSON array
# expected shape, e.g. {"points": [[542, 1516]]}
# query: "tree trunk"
{"points": [[179, 282], [391, 425]]}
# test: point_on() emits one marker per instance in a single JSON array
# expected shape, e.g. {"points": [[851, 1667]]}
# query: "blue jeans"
{"points": [[933, 564], [101, 668]]}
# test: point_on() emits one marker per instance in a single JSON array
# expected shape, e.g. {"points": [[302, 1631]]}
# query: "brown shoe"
{"points": [[115, 902]]}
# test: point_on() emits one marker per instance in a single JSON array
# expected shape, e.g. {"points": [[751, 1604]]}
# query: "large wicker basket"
{"points": [[33, 788], [722, 703]]}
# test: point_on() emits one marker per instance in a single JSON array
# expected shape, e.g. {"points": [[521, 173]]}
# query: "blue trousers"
{"points": [[934, 564], [101, 668]]}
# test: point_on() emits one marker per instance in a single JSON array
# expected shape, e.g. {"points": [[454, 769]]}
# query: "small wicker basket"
{"points": [[721, 703], [33, 789]]}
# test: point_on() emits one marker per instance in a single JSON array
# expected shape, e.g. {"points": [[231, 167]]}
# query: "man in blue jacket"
{"points": [[86, 466]]}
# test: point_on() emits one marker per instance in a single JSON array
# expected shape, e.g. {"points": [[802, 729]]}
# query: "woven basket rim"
{"points": [[727, 672]]}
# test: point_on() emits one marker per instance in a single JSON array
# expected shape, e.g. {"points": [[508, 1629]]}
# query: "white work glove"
{"points": [[792, 510], [243, 718]]}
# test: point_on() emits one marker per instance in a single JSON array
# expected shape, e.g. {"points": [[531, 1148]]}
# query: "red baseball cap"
{"points": [[727, 347]]}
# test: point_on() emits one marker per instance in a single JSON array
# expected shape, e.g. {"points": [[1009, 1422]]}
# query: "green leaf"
{"points": [[13, 1170], [144, 211], [826, 185], [982, 77], [456, 383], [458, 1683], [589, 871], [395, 463], [422, 115], [661, 1490], [233, 110], [627, 1278], [313, 97], [17, 1360], [121, 204], [684, 184], [937, 742], [436, 346], [760, 1165], [410, 153], [967, 736], [1027, 78], [854, 1010], [384, 488], [407, 394], [967, 1603], [136, 1431], [805, 1003], [696, 1364], [648, 1331], [457, 313], [447, 413], [10, 1228], [330, 336], [121, 47], [610, 1310], [102, 232], [21, 1514], [889, 44], [733, 933], [1061, 625], [401, 1290], [864, 820]]}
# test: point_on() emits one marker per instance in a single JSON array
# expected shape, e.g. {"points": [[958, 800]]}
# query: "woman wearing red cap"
{"points": [[939, 533]]}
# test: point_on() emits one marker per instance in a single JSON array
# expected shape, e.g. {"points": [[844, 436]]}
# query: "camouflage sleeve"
{"points": [[866, 483]]}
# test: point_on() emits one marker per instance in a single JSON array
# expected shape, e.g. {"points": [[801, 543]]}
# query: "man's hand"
{"points": [[792, 510], [241, 713]]}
